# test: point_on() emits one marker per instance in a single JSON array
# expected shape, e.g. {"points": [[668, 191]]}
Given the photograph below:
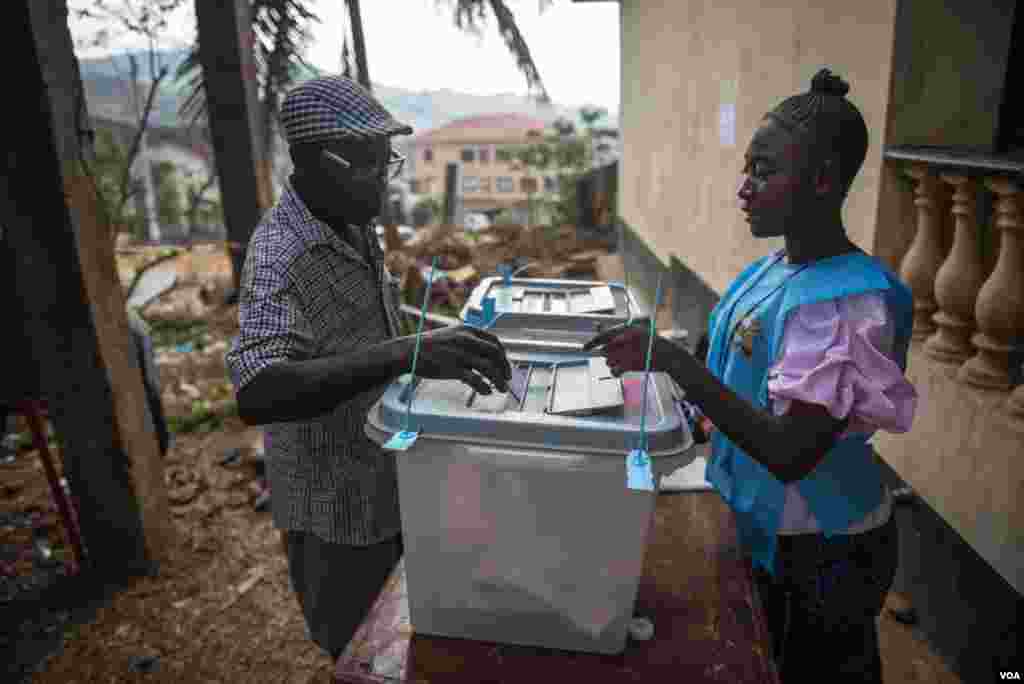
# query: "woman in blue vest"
{"points": [[806, 361]]}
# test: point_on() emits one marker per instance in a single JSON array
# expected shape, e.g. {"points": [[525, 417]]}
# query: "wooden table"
{"points": [[697, 588]]}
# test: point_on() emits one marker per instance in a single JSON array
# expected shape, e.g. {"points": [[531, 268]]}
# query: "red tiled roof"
{"points": [[485, 121]]}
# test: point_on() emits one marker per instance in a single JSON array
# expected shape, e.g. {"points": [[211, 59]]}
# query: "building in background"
{"points": [[183, 154], [489, 180]]}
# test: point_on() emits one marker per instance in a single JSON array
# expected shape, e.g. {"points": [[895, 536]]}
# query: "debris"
{"points": [[191, 390], [182, 485], [231, 457], [144, 664], [219, 347], [255, 575], [587, 256], [427, 237], [463, 275], [152, 284], [183, 495], [236, 500], [262, 503], [185, 347]]}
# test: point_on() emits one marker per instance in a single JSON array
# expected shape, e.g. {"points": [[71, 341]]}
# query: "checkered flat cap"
{"points": [[335, 107]]}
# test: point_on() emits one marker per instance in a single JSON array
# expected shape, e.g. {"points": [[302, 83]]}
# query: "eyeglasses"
{"points": [[389, 171]]}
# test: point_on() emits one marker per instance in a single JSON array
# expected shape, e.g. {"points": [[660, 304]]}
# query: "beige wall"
{"points": [[964, 457], [678, 181]]}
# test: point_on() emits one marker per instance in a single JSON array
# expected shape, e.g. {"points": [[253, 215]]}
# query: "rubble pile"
{"points": [[466, 257]]}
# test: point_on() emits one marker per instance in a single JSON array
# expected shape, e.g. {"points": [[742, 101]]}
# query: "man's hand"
{"points": [[463, 353], [625, 348]]}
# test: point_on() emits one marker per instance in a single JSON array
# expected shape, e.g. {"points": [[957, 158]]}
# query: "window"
{"points": [[470, 184], [414, 186], [484, 155], [504, 184], [550, 184], [485, 185], [503, 154], [428, 155], [528, 184], [467, 154]]}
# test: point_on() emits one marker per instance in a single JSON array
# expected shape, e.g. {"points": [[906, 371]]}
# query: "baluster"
{"points": [[1000, 308], [959, 278], [922, 261]]}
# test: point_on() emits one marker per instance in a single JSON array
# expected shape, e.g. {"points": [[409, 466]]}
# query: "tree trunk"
{"points": [[226, 54], [77, 352], [359, 44]]}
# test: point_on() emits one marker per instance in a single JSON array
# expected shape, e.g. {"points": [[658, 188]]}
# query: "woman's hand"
{"points": [[625, 348]]}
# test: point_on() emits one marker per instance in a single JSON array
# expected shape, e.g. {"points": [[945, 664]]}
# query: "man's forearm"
{"points": [[304, 390], [787, 453]]}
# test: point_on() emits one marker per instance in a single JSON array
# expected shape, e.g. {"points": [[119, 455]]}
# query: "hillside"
{"points": [[108, 94]]}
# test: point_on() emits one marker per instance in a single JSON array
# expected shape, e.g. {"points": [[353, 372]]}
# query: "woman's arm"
{"points": [[789, 446]]}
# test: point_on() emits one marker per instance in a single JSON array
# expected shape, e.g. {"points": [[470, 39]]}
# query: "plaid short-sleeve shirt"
{"points": [[305, 294]]}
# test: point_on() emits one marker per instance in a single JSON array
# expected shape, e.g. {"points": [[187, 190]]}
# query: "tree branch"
{"points": [[133, 151]]}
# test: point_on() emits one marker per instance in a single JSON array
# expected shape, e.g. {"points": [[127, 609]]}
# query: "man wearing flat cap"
{"points": [[318, 344]]}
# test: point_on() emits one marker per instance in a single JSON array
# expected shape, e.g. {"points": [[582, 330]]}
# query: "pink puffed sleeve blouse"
{"points": [[838, 354]]}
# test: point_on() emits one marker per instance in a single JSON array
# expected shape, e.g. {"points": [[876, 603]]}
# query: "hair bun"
{"points": [[827, 83]]}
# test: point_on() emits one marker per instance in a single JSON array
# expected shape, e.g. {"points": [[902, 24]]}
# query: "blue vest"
{"points": [[846, 485]]}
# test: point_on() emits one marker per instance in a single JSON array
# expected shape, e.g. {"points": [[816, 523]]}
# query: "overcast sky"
{"points": [[413, 44]]}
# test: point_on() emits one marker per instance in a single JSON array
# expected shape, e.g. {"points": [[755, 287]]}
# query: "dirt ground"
{"points": [[221, 609]]}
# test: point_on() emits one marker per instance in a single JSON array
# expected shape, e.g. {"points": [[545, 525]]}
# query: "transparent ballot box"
{"points": [[518, 523]]}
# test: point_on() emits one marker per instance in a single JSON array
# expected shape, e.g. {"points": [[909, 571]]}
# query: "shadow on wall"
{"points": [[692, 299]]}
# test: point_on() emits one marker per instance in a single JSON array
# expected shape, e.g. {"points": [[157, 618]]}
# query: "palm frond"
{"points": [[280, 28], [470, 15]]}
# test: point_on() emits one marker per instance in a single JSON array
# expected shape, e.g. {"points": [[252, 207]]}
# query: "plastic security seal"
{"points": [[641, 629]]}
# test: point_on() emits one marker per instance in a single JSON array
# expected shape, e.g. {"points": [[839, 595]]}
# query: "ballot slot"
{"points": [[580, 387], [497, 402], [538, 385], [584, 387]]}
